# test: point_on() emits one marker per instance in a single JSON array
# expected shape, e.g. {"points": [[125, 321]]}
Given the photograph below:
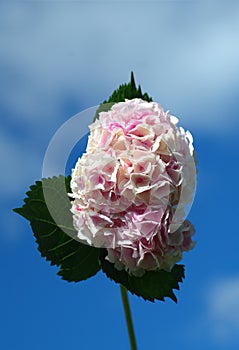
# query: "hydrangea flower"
{"points": [[132, 186]]}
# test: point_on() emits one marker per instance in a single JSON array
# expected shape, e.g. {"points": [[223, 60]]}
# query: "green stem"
{"points": [[128, 317]]}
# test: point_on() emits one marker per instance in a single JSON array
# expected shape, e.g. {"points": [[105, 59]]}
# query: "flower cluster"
{"points": [[132, 186]]}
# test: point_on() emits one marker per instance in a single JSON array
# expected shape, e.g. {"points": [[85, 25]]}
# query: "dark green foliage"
{"points": [[124, 91], [77, 261], [152, 285]]}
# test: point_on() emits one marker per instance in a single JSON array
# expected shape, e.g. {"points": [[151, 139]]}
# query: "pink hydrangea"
{"points": [[132, 187]]}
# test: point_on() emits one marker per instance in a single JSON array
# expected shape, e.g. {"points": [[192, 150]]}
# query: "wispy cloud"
{"points": [[216, 324], [186, 54], [223, 310]]}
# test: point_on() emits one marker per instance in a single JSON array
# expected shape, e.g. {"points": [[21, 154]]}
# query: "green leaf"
{"points": [[124, 91], [77, 261], [152, 285]]}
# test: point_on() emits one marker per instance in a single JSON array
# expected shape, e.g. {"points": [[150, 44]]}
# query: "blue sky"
{"points": [[60, 57]]}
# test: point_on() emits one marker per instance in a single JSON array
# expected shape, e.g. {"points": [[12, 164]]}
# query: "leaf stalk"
{"points": [[128, 317]]}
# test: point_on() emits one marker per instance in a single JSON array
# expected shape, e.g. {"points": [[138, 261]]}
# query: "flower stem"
{"points": [[125, 300]]}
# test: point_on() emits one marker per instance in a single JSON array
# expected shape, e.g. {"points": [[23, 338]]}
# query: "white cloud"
{"points": [[214, 321], [220, 314], [186, 54], [223, 310]]}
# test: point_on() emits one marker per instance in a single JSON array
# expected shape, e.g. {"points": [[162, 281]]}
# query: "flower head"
{"points": [[132, 187]]}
